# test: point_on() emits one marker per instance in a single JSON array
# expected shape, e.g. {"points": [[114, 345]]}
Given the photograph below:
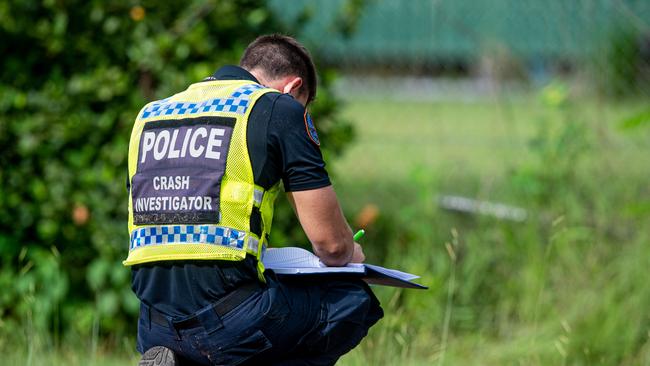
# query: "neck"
{"points": [[259, 75]]}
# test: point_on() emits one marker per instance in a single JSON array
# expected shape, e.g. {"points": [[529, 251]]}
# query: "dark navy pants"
{"points": [[297, 322]]}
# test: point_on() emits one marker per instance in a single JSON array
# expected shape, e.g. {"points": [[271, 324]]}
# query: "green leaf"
{"points": [[640, 119]]}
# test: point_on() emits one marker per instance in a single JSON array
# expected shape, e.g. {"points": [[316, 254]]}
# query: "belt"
{"points": [[221, 307]]}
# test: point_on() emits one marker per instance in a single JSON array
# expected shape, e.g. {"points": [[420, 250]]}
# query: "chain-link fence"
{"points": [[607, 41]]}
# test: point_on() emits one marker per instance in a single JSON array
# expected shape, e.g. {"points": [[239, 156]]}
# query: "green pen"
{"points": [[359, 235]]}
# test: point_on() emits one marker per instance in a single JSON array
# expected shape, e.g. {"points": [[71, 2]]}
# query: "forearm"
{"points": [[333, 241], [324, 224]]}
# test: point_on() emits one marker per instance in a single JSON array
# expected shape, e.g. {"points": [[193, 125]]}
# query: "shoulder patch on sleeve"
{"points": [[311, 129]]}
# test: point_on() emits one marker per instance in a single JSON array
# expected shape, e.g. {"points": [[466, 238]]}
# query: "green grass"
{"points": [[73, 352], [483, 139], [566, 287]]}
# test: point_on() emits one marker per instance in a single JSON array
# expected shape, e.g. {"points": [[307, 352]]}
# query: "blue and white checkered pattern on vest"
{"points": [[237, 102], [187, 234]]}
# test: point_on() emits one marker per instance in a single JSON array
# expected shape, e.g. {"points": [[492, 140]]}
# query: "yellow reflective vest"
{"points": [[192, 193]]}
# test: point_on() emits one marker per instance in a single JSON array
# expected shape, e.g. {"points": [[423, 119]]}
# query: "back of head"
{"points": [[279, 56]]}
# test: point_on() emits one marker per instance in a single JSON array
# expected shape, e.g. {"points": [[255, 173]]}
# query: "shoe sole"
{"points": [[158, 356]]}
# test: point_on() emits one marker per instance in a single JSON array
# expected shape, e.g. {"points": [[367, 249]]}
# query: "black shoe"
{"points": [[158, 356]]}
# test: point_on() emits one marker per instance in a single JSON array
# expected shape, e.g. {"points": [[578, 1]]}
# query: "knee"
{"points": [[371, 307], [354, 302]]}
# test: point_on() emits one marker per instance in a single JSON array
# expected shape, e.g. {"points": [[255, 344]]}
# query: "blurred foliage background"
{"points": [[501, 150]]}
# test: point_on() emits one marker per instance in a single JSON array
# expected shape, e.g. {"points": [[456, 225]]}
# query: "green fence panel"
{"points": [[417, 31]]}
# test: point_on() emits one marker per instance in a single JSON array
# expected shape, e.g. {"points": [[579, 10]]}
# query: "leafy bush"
{"points": [[72, 78], [622, 66]]}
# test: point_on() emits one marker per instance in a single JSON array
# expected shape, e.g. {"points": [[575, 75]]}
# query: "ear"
{"points": [[293, 85]]}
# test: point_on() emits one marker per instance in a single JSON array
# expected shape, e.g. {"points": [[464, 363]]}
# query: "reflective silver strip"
{"points": [[258, 195], [253, 245]]}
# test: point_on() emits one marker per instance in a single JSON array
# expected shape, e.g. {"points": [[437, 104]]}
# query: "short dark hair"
{"points": [[278, 56]]}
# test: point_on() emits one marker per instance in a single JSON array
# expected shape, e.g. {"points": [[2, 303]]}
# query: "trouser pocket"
{"points": [[240, 349]]}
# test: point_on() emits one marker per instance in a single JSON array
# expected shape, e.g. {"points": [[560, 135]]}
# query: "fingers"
{"points": [[357, 255]]}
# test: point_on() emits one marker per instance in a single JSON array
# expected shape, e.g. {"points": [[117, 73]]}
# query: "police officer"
{"points": [[205, 166]]}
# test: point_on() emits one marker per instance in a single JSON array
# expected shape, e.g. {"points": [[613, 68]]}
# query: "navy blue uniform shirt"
{"points": [[280, 149]]}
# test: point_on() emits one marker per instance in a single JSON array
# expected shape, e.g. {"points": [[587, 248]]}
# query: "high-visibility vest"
{"points": [[192, 194]]}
